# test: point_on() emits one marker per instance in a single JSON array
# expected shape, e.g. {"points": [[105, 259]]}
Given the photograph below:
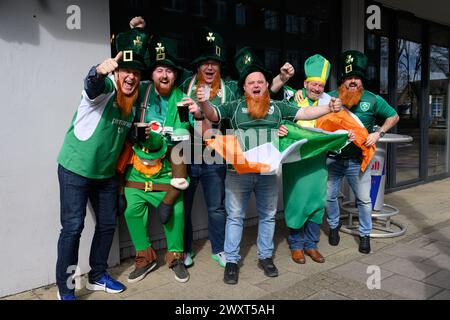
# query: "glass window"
{"points": [[270, 19], [199, 7], [176, 5], [221, 7], [272, 59], [292, 24], [241, 14], [408, 97], [438, 115]]}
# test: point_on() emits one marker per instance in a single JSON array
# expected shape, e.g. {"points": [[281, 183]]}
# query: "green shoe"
{"points": [[220, 258]]}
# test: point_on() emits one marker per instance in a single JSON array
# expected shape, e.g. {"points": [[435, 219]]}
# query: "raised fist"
{"points": [[287, 71], [137, 22]]}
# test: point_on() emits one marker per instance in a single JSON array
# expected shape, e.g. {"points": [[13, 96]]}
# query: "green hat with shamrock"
{"points": [[209, 45], [133, 43], [353, 63], [246, 62], [153, 148], [317, 68], [163, 52]]}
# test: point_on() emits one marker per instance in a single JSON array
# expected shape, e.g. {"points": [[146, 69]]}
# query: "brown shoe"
{"points": [[315, 255], [298, 256]]}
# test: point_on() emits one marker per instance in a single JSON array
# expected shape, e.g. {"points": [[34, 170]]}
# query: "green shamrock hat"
{"points": [[153, 148], [162, 52], [317, 68], [209, 45], [133, 43], [353, 63], [246, 62]]}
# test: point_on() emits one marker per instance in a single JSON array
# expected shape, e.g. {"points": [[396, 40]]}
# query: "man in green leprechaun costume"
{"points": [[304, 205], [88, 157]]}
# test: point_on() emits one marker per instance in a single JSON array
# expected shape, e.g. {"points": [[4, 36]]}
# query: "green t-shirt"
{"points": [[254, 132], [96, 135], [369, 108]]}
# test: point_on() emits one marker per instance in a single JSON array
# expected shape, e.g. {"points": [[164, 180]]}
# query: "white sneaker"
{"points": [[220, 258], [188, 259]]}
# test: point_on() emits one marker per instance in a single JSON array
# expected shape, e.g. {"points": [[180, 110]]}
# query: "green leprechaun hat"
{"points": [[353, 63], [153, 148], [162, 52], [133, 43], [210, 46], [246, 62], [317, 68]]}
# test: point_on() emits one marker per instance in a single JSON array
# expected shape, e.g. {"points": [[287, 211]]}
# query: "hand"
{"points": [[109, 65], [335, 104], [372, 139], [351, 135], [287, 71], [299, 96], [202, 95], [137, 22], [282, 131]]}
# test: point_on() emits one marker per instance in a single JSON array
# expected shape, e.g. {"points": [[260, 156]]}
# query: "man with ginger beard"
{"points": [[258, 117], [87, 162], [367, 106]]}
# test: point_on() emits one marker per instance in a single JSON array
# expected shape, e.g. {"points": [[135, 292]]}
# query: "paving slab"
{"points": [[411, 269], [408, 288], [439, 279]]}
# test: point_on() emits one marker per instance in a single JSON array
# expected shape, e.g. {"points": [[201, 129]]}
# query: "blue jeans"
{"points": [[305, 238], [212, 178], [75, 191], [238, 189], [360, 183]]}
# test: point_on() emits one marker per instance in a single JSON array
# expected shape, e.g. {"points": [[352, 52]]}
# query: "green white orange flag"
{"points": [[300, 143]]}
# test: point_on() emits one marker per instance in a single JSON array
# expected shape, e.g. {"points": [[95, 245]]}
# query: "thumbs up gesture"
{"points": [[335, 105], [109, 65]]}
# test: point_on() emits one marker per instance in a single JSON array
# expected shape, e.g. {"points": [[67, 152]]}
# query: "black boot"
{"points": [[333, 236], [364, 244]]}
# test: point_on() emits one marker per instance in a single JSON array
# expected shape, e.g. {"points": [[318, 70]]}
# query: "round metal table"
{"points": [[382, 224]]}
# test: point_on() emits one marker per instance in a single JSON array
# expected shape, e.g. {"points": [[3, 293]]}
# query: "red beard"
{"points": [[214, 85], [350, 98], [258, 106], [163, 91], [125, 102]]}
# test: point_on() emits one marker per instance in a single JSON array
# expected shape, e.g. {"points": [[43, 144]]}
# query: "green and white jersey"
{"points": [[254, 132], [369, 108], [96, 135]]}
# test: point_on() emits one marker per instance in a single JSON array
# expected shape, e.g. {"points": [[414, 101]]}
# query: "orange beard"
{"points": [[214, 85], [146, 170], [125, 102], [350, 98], [162, 91], [258, 106]]}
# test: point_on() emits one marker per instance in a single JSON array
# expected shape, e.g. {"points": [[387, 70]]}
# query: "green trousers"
{"points": [[136, 216]]}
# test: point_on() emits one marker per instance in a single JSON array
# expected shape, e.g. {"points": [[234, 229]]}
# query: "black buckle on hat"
{"points": [[128, 55]]}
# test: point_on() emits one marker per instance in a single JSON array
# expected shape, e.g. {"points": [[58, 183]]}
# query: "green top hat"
{"points": [[353, 63], [133, 43], [317, 68], [210, 46], [246, 62], [153, 148], [162, 52]]}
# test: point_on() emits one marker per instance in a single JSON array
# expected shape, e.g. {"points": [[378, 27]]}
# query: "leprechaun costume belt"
{"points": [[147, 186]]}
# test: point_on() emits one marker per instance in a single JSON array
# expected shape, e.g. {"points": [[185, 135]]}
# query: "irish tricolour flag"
{"points": [[267, 158]]}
